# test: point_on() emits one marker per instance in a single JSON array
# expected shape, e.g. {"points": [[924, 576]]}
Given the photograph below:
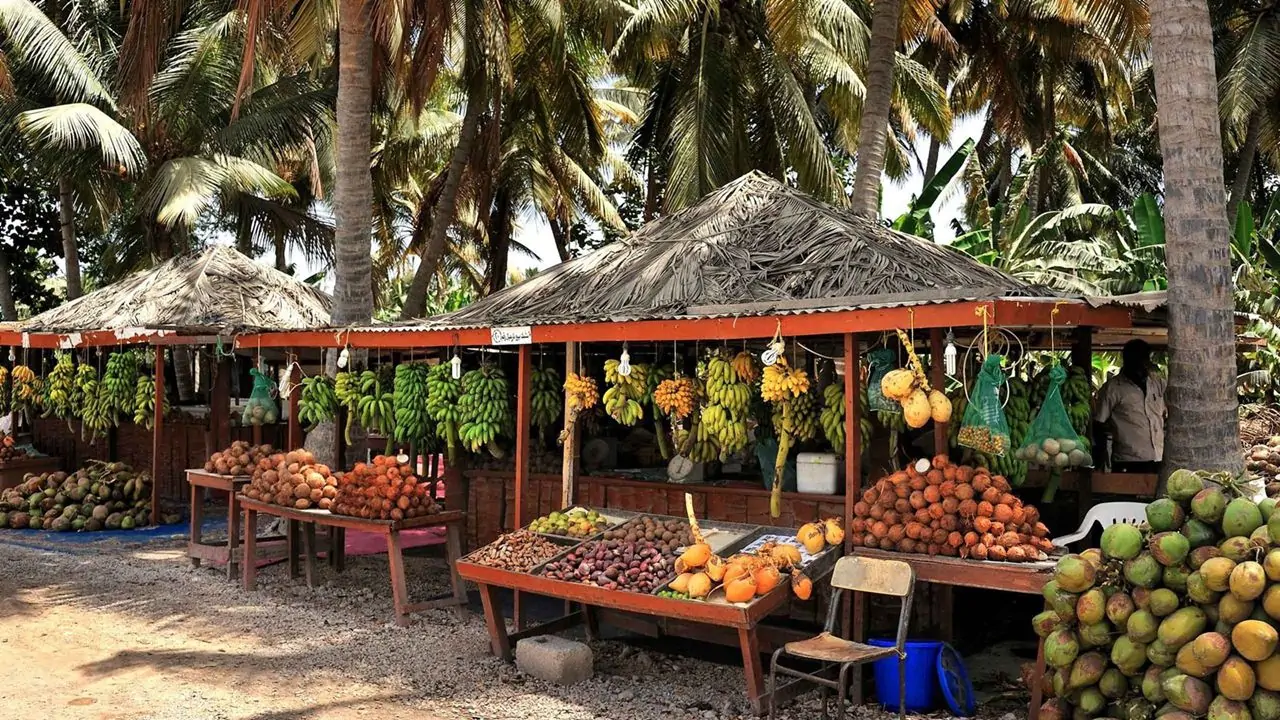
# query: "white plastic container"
{"points": [[816, 473]]}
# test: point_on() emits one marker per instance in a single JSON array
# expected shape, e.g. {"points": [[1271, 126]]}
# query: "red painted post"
{"points": [[523, 421], [937, 378], [295, 438], [155, 437]]}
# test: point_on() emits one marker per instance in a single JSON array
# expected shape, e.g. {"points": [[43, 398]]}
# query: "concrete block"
{"points": [[554, 659]]}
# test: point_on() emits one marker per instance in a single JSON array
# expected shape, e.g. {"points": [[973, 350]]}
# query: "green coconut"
{"points": [[1074, 574], [1091, 701], [1241, 517], [1143, 626], [1119, 607], [1151, 687], [1164, 515], [1060, 601], [1163, 602], [1121, 541], [1091, 607], [1143, 571], [1198, 534], [1095, 635], [1188, 693], [1217, 573], [1208, 505], [1232, 609], [1129, 656], [1061, 648], [1047, 621], [1182, 627], [1169, 548], [1175, 578], [1223, 708], [1183, 485], [1247, 581], [1264, 705], [1237, 549], [1160, 655], [1113, 684], [1086, 670]]}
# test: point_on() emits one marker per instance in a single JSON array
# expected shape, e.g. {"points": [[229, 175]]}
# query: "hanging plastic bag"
{"points": [[881, 362], [1051, 440], [261, 408], [984, 427]]}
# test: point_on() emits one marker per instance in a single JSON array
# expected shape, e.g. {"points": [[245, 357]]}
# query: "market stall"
{"points": [[95, 378]]}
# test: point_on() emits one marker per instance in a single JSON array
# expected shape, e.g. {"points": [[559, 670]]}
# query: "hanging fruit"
{"points": [[623, 400], [59, 387], [409, 400], [545, 402], [728, 404], [910, 388], [318, 401], [783, 386], [443, 392], [484, 408]]}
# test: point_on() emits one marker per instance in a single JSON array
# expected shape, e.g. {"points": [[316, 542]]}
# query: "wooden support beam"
{"points": [[295, 438], [569, 469], [523, 421], [156, 433]]}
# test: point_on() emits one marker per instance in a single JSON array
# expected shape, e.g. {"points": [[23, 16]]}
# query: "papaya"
{"points": [[1121, 541], [1235, 679], [1254, 640]]}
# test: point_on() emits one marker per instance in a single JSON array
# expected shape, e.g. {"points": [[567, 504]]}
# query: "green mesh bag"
{"points": [[261, 409], [1051, 440], [984, 427], [880, 362]]}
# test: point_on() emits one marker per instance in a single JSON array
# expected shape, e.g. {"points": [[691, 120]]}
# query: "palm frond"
{"points": [[79, 127]]}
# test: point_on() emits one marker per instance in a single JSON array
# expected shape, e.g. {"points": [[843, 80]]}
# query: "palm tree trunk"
{"points": [[1202, 430], [1248, 151], [353, 194], [282, 259], [415, 300], [561, 239], [184, 373], [499, 242], [8, 309], [931, 160], [874, 129], [70, 253]]}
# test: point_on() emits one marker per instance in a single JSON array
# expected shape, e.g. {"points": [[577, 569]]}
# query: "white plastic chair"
{"points": [[1106, 515]]}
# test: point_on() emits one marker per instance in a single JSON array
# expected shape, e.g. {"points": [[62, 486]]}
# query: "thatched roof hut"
{"points": [[218, 290], [753, 247]]}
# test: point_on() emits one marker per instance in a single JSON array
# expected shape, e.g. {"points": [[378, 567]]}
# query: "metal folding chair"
{"points": [[855, 574]]}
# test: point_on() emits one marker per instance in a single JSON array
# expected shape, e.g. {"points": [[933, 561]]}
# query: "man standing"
{"points": [[1130, 408]]}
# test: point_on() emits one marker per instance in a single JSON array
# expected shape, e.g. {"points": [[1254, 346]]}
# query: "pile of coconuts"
{"points": [[1176, 619]]}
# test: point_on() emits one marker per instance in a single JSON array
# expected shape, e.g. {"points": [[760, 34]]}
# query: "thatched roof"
{"points": [[217, 290], [753, 247]]}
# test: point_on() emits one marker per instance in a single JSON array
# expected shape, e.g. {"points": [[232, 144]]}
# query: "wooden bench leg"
{"points": [[233, 534], [249, 567], [292, 530], [453, 547], [341, 550], [593, 622], [499, 641], [197, 519], [399, 588], [309, 552], [753, 670]]}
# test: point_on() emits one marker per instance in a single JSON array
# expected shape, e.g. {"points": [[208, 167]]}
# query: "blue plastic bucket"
{"points": [[922, 675]]}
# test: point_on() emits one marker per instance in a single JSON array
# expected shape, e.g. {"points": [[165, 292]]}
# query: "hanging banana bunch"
{"points": [[59, 387], [5, 396], [119, 384], [485, 408], [144, 412], [728, 403], [443, 392], [782, 386], [97, 415], [375, 408], [26, 390], [318, 401], [580, 393], [346, 388], [659, 374], [84, 387], [412, 418], [832, 418], [623, 400], [545, 402]]}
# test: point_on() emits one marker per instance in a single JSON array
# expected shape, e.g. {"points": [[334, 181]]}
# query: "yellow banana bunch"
{"points": [[5, 398], [623, 400], [409, 400], [675, 397], [59, 387], [634, 384], [84, 387], [26, 389], [443, 392], [781, 381], [746, 367], [794, 417], [580, 392], [318, 401], [97, 414], [485, 407], [144, 401], [728, 404]]}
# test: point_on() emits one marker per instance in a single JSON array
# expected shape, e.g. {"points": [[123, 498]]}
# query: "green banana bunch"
{"points": [[98, 413], [5, 397], [696, 443], [375, 408], [832, 418], [318, 401], [728, 404], [59, 387], [443, 392], [623, 400], [144, 400], [412, 418], [548, 398], [119, 384], [485, 408], [346, 387], [1017, 413]]}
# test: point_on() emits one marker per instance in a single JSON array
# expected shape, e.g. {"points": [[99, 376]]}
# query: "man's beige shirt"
{"points": [[1136, 419]]}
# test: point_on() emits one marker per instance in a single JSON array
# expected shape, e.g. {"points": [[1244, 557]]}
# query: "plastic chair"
{"points": [[1106, 515], [855, 574]]}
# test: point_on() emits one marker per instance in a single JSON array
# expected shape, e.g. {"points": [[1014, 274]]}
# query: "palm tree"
{"points": [[875, 109], [1202, 427]]}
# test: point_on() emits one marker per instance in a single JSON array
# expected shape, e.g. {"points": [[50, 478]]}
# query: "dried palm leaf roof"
{"points": [[217, 290], [753, 247]]}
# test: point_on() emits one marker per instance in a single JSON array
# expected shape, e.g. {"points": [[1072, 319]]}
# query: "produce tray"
{"points": [[615, 518], [814, 566], [737, 546], [725, 535], [537, 570], [566, 544]]}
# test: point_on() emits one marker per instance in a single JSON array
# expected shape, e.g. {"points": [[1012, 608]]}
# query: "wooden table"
{"points": [[14, 472], [745, 620], [198, 550], [1026, 578], [305, 521]]}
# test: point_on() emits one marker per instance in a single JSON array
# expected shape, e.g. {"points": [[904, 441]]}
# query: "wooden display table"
{"points": [[390, 529], [199, 550], [12, 473], [1026, 578], [743, 619]]}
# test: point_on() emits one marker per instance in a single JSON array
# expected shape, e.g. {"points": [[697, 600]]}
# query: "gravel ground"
{"points": [[114, 632]]}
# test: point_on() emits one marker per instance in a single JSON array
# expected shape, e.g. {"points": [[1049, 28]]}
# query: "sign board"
{"points": [[511, 335]]}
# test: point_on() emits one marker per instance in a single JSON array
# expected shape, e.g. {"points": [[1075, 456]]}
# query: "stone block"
{"points": [[554, 659]]}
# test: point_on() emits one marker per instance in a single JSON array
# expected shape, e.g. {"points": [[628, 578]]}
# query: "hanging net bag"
{"points": [[261, 408], [1051, 440], [984, 427]]}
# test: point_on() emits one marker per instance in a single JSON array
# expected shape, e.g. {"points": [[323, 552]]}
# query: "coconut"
{"points": [[1232, 609], [1198, 589], [1143, 627], [1183, 485], [1188, 693], [1160, 655], [1223, 708], [1235, 680], [1113, 684], [1217, 573], [1182, 627], [1074, 574], [1091, 607], [1119, 607], [1254, 639], [1175, 578], [1268, 673], [1241, 517], [1143, 571], [1061, 648], [1169, 548], [1163, 602], [1264, 705], [1186, 661], [1121, 541], [1060, 601], [1126, 654], [1095, 635], [1150, 684], [1091, 701], [1208, 505], [1198, 533], [1247, 580], [1210, 649], [1136, 709], [1237, 548], [1086, 670], [1043, 623]]}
